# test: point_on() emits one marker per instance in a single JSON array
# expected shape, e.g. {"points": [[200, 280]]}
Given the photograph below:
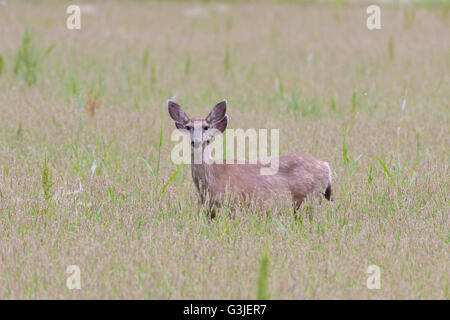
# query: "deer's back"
{"points": [[299, 174]]}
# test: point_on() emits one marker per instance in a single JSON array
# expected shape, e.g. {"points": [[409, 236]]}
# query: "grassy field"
{"points": [[85, 149]]}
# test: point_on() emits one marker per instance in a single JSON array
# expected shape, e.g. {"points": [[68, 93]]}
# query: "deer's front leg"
{"points": [[202, 198], [210, 205], [207, 202]]}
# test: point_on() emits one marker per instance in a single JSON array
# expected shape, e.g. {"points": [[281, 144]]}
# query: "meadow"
{"points": [[86, 177]]}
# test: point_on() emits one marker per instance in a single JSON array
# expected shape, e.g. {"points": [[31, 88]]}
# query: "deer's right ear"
{"points": [[221, 125], [218, 112], [177, 114]]}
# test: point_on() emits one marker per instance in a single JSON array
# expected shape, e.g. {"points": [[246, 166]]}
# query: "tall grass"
{"points": [[227, 60], [262, 292], [333, 103], [29, 57], [145, 58], [46, 179]]}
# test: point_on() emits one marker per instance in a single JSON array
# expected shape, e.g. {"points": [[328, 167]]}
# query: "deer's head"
{"points": [[201, 131]]}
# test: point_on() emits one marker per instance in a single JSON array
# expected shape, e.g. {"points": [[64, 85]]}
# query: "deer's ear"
{"points": [[221, 125], [217, 113], [177, 114]]}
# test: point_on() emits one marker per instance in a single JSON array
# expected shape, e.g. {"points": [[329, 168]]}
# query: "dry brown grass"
{"points": [[130, 242]]}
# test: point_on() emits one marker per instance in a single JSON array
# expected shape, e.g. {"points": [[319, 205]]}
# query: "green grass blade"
{"points": [[170, 179], [150, 169], [344, 149], [48, 50], [386, 171], [263, 277]]}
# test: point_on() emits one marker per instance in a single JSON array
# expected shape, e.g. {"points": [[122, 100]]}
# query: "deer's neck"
{"points": [[203, 172]]}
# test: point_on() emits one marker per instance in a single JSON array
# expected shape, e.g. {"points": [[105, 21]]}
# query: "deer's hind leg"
{"points": [[211, 207], [300, 206], [297, 202]]}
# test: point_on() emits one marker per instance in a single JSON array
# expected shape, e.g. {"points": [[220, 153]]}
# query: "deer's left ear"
{"points": [[221, 125], [217, 113]]}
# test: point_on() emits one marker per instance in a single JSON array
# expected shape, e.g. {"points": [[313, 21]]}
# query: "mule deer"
{"points": [[299, 175]]}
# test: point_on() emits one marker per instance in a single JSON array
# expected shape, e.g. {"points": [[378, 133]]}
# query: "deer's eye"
{"points": [[188, 128], [205, 128]]}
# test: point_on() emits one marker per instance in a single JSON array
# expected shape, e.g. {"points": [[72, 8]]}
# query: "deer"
{"points": [[299, 174]]}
